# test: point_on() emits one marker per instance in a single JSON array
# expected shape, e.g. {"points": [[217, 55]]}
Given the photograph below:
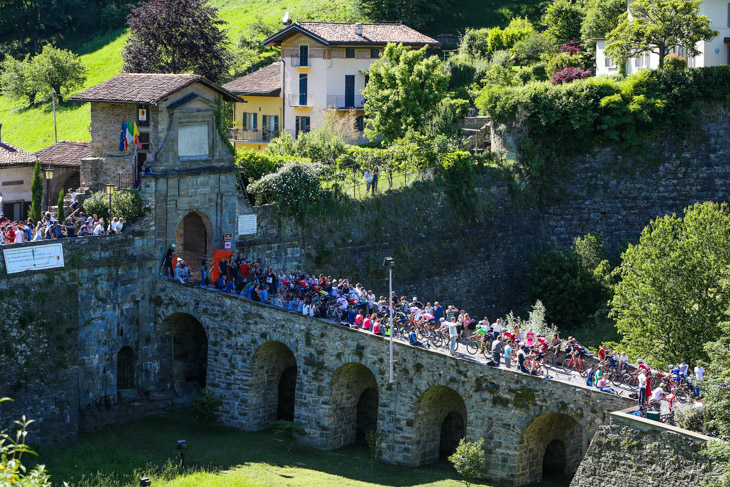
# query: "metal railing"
{"points": [[300, 100], [236, 134], [299, 63], [342, 102]]}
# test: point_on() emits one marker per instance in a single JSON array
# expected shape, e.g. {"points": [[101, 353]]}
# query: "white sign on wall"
{"points": [[33, 258], [247, 224]]}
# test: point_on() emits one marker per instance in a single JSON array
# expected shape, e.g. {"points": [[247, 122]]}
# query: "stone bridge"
{"points": [[268, 364]]}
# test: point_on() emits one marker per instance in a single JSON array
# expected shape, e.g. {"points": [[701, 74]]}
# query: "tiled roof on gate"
{"points": [[346, 33], [144, 88], [264, 82], [14, 156], [64, 153]]}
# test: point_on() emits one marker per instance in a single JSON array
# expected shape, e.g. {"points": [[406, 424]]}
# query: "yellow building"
{"points": [[260, 118]]}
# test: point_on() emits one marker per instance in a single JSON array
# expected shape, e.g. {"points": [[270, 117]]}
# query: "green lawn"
{"points": [[220, 457]]}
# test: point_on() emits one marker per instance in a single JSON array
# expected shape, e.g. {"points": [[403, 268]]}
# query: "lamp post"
{"points": [[110, 191], [388, 262], [49, 176]]}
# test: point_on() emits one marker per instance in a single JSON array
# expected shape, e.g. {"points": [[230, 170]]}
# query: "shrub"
{"points": [[562, 61], [292, 431], [125, 203], [468, 459], [692, 419], [206, 407], [294, 188], [568, 75], [535, 321], [13, 473], [257, 164], [675, 62], [455, 175], [375, 440], [533, 49]]}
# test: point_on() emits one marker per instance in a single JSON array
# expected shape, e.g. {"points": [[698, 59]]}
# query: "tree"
{"points": [[18, 80], [657, 26], [403, 90], [58, 69], [673, 291], [250, 53], [418, 14], [717, 413], [176, 36], [601, 17], [468, 459], [36, 193], [563, 19], [61, 210]]}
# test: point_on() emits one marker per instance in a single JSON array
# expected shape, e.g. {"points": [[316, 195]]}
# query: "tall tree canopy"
{"points": [[176, 36], [404, 89], [657, 26], [601, 17], [564, 19], [419, 14], [674, 290]]}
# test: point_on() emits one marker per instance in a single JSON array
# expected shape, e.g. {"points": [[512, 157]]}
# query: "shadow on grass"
{"points": [[125, 450]]}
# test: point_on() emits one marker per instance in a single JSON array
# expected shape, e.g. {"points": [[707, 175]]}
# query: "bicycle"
{"points": [[575, 362], [534, 364]]}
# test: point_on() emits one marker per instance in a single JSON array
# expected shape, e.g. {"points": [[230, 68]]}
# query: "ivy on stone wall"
{"points": [[220, 124], [556, 123]]}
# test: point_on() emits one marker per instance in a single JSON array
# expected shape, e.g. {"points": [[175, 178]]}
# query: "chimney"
{"points": [[286, 19], [358, 29]]}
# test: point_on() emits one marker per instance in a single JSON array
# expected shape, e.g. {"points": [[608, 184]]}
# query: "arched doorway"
{"points": [[193, 239], [552, 443], [440, 424], [272, 391], [125, 369], [354, 405], [184, 344]]}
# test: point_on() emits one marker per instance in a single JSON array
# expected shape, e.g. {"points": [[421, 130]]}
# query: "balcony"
{"points": [[300, 100], [342, 102], [298, 63], [243, 135]]}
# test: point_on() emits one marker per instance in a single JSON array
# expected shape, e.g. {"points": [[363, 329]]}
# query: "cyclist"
{"points": [[542, 343]]}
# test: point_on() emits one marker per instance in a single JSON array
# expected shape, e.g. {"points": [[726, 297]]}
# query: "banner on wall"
{"points": [[33, 258], [218, 256]]}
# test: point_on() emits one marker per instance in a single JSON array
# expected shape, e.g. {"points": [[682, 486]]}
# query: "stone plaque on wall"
{"points": [[247, 224]]}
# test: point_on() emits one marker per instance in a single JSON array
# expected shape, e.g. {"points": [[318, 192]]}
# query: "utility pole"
{"points": [[53, 101]]}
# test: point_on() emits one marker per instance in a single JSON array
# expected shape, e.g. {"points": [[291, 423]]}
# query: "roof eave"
{"points": [[277, 38]]}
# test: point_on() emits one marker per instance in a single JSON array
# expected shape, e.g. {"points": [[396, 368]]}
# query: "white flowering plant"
{"points": [[295, 188]]}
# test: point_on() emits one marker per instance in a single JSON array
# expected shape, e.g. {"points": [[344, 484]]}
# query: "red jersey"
{"points": [[601, 354], [543, 343], [245, 269]]}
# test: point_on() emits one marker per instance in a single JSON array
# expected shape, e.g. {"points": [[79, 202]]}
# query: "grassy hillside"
{"points": [[32, 128]]}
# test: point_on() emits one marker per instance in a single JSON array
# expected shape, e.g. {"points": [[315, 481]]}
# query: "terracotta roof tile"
{"points": [[345, 33], [14, 156], [264, 82], [142, 88], [64, 153]]}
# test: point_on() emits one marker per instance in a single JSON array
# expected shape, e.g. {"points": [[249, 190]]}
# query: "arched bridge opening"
{"points": [[440, 424], [184, 348], [194, 239], [552, 444], [273, 376], [354, 404]]}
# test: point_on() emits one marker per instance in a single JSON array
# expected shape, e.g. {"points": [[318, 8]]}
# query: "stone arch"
{"points": [[71, 180], [194, 238], [125, 369], [555, 438], [272, 390], [354, 404], [183, 345], [440, 423]]}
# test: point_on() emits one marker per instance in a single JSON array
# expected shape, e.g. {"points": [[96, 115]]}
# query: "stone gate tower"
{"points": [[191, 188]]}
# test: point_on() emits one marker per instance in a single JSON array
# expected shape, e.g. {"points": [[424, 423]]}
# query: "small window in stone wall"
{"points": [[193, 140]]}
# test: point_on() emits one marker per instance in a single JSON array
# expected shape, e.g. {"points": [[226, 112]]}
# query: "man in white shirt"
{"points": [[99, 228], [699, 374], [658, 395], [642, 387], [453, 334]]}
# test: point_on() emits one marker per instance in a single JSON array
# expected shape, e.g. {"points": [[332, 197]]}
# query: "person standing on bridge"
{"points": [[453, 335], [167, 262]]}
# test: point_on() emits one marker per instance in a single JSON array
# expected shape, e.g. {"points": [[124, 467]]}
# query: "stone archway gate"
{"points": [[501, 405]]}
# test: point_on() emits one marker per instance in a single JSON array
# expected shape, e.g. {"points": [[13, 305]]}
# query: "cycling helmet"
{"points": [[640, 361]]}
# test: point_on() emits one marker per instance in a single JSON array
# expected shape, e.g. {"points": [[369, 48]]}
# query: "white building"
{"points": [[324, 67], [712, 53]]}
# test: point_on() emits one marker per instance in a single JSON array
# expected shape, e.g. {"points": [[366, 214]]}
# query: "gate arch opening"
{"points": [[354, 410], [552, 443], [125, 369], [440, 423], [194, 239], [184, 344], [272, 391]]}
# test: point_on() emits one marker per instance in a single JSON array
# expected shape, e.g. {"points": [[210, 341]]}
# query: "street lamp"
{"points": [[388, 263], [110, 191], [49, 176]]}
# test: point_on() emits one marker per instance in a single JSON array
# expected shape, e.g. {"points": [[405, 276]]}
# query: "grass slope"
{"points": [[31, 128], [220, 457]]}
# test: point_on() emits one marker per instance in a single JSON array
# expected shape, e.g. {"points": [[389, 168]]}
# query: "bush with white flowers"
{"points": [[294, 187]]}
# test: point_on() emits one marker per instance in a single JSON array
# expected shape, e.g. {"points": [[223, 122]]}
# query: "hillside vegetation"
{"points": [[31, 128]]}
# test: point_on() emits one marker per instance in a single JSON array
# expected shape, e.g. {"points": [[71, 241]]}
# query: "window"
{"points": [[367, 79], [641, 61], [728, 14], [303, 125], [610, 62], [359, 123], [193, 140], [374, 53], [144, 139], [350, 52], [125, 369], [249, 121], [303, 55], [270, 126], [303, 90]]}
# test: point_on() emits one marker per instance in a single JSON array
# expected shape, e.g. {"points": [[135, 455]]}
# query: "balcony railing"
{"points": [[243, 135], [342, 102], [300, 100], [299, 63]]}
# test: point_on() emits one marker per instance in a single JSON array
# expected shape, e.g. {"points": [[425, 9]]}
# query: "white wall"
{"points": [[19, 192]]}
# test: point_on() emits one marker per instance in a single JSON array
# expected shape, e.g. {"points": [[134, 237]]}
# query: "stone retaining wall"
{"points": [[637, 452]]}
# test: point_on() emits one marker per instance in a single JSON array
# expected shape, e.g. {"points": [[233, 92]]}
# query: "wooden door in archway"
{"points": [[192, 238]]}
